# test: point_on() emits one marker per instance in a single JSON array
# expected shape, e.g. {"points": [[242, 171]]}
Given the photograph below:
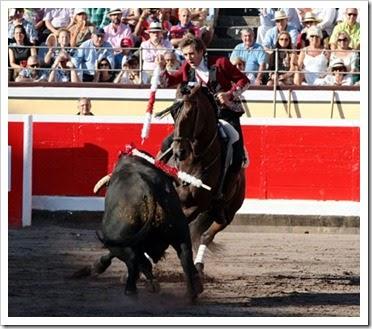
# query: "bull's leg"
{"points": [[145, 267], [194, 284], [128, 256], [97, 268]]}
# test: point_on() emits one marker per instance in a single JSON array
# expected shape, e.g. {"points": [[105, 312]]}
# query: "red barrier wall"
{"points": [[286, 162]]}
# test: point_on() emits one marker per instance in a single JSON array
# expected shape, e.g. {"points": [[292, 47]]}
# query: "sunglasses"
{"points": [[34, 65], [352, 14], [344, 39], [314, 36], [283, 39]]}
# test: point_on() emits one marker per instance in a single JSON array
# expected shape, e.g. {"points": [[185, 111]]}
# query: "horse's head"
{"points": [[193, 123]]}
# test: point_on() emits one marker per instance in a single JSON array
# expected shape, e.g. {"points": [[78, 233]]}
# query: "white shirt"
{"points": [[202, 73]]}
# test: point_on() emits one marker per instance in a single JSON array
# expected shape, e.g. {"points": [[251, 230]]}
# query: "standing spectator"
{"points": [[343, 52], [148, 16], [337, 77], [171, 62], [84, 106], [287, 61], [116, 30], [19, 51], [185, 26], [81, 29], [130, 17], [253, 55], [154, 46], [89, 52], [313, 60], [308, 20], [32, 72], [62, 44], [281, 24], [18, 19], [104, 71], [35, 17], [63, 70], [351, 26], [98, 16], [126, 52], [57, 18]]}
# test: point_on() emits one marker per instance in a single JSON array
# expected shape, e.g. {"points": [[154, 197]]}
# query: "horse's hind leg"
{"points": [[145, 267], [128, 256]]}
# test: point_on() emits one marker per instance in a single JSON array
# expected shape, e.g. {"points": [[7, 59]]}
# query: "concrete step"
{"points": [[228, 21], [238, 12]]}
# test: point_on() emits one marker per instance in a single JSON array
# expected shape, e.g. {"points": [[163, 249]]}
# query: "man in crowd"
{"points": [[32, 73], [84, 106]]}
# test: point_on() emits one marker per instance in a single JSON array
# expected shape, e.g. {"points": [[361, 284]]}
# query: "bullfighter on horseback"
{"points": [[223, 84]]}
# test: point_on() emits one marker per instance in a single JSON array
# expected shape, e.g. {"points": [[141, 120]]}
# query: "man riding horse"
{"points": [[223, 83]]}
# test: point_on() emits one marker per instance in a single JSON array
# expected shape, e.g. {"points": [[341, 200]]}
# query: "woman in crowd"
{"points": [[104, 71], [19, 51], [286, 61], [130, 73], [343, 52], [57, 44], [81, 29], [313, 60]]}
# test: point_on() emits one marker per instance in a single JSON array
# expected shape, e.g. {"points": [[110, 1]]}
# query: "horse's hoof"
{"points": [[200, 269], [83, 272], [153, 286]]}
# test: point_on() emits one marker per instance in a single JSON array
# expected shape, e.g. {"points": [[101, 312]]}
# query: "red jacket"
{"points": [[228, 76]]}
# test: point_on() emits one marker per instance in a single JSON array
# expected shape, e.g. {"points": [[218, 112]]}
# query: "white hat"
{"points": [[279, 14], [114, 11], [155, 27], [79, 11], [310, 17], [314, 30], [337, 63]]}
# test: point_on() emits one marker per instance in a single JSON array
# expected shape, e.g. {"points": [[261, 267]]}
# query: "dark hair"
{"points": [[104, 59], [190, 40], [26, 40]]}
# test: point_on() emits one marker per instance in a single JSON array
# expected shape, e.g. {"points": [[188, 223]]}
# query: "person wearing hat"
{"points": [[337, 77], [309, 19], [155, 45], [253, 55], [126, 52], [281, 24], [89, 52], [81, 29], [116, 30]]}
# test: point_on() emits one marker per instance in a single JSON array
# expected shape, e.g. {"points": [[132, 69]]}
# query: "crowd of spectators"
{"points": [[119, 45]]}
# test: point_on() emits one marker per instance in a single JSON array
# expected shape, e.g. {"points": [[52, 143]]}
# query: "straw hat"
{"points": [[314, 30], [79, 11], [310, 17], [155, 27], [337, 63], [279, 15], [114, 11]]}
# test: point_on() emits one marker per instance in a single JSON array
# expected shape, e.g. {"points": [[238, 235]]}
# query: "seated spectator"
{"points": [[281, 24], [350, 26], [287, 61], [345, 53], [313, 60], [154, 46], [19, 51], [32, 72], [126, 52], [56, 44], [89, 52], [239, 63], [337, 77], [57, 18], [17, 18], [130, 16], [341, 16], [116, 30], [81, 29], [104, 71], [84, 106], [253, 55], [171, 62], [130, 73], [98, 16], [199, 18], [308, 20], [184, 26], [35, 17], [63, 70]]}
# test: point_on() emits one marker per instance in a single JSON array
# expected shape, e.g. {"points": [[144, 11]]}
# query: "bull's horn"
{"points": [[104, 180]]}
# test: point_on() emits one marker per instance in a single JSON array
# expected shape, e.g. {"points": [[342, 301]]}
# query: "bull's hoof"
{"points": [[200, 268], [83, 272], [153, 286]]}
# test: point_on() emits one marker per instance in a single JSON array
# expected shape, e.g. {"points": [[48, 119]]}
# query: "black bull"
{"points": [[143, 215]]}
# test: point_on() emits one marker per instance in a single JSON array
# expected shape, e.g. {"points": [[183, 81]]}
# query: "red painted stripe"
{"points": [[15, 196], [319, 163]]}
